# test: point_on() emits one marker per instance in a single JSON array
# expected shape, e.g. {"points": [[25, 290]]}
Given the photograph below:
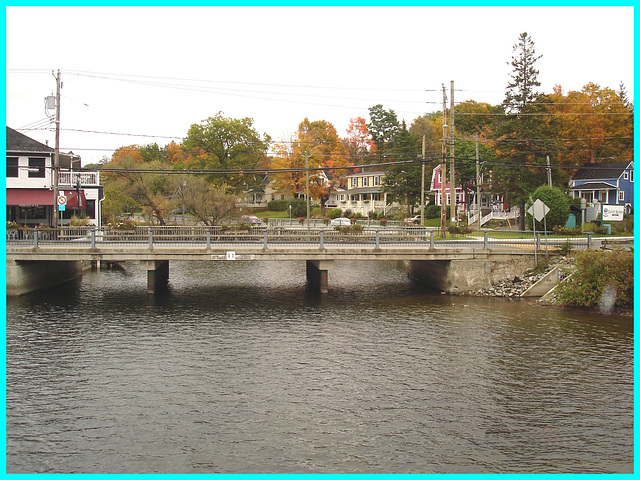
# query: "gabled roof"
{"points": [[594, 186], [17, 142], [602, 171]]}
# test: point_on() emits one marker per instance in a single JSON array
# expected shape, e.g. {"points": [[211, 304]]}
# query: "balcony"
{"points": [[70, 179]]}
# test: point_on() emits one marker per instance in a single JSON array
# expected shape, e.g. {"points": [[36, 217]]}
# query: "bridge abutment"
{"points": [[157, 274], [318, 273], [26, 276], [460, 276]]}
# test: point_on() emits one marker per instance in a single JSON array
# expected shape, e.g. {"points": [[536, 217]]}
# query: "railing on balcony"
{"points": [[70, 179]]}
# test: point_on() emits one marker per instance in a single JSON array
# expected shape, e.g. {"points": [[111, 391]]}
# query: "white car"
{"points": [[340, 222]]}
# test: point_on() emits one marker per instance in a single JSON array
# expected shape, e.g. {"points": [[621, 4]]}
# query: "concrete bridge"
{"points": [[451, 263]]}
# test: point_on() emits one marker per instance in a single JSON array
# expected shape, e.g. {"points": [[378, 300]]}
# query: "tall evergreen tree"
{"points": [[518, 136]]}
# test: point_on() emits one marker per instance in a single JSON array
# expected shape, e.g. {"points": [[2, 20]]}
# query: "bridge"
{"points": [[449, 262]]}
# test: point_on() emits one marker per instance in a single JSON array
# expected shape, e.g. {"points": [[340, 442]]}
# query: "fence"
{"points": [[271, 236]]}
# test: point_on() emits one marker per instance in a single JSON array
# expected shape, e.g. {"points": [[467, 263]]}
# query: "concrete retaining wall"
{"points": [[460, 276], [26, 277]]}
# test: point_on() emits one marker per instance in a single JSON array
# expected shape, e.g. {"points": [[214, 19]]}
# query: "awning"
{"points": [[72, 199], [30, 198], [25, 197]]}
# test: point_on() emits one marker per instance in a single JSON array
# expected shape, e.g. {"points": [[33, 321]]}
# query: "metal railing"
{"points": [[272, 236]]}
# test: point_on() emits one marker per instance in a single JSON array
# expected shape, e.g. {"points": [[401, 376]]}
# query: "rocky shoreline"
{"points": [[516, 286]]}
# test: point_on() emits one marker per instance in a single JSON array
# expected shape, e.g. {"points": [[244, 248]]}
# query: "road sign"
{"points": [[62, 200], [538, 210]]}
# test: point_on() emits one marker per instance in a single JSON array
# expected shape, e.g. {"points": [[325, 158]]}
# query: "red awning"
{"points": [[30, 198], [72, 199]]}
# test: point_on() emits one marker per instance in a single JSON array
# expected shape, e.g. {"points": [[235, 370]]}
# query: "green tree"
{"points": [[383, 128], [227, 144], [558, 204], [517, 148]]}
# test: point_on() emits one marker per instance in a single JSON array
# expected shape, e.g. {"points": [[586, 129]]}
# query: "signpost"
{"points": [[539, 211]]}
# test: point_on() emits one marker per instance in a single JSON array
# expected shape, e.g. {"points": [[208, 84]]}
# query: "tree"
{"points": [[227, 144], [132, 185], [383, 127], [359, 142], [207, 202], [522, 170], [558, 204]]}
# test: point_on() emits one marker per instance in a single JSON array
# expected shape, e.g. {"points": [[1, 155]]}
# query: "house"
{"points": [[466, 204], [261, 195], [604, 183], [30, 184], [363, 194]]}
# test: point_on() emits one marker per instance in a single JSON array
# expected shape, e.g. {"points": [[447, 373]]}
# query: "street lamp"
{"points": [[289, 214]]}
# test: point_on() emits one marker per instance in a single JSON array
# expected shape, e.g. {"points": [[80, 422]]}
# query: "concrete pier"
{"points": [[318, 273], [157, 274]]}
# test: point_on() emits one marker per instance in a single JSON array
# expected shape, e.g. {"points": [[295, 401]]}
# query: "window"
{"points": [[631, 176], [354, 182], [376, 181], [36, 168], [626, 175], [621, 196], [365, 181], [375, 197], [12, 167]]}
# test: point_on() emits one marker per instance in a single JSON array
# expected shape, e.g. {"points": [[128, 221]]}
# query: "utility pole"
{"points": [[306, 163], [56, 158], [478, 185], [443, 170], [424, 150], [452, 181], [549, 172]]}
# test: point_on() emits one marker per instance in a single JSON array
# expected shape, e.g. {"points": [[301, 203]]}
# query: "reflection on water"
{"points": [[240, 367]]}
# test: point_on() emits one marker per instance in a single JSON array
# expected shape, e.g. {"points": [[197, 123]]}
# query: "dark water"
{"points": [[239, 367]]}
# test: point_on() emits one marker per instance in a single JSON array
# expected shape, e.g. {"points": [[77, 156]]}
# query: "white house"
{"points": [[30, 184], [363, 194]]}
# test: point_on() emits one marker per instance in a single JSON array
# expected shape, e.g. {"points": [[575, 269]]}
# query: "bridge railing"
{"points": [[321, 237]]}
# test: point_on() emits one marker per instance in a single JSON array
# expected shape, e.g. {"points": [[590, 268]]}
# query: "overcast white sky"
{"points": [[151, 72]]}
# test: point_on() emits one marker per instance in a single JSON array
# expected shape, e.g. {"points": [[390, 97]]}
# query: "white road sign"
{"points": [[538, 210]]}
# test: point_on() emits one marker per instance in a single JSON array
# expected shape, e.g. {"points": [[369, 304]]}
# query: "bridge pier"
{"points": [[318, 273], [157, 274]]}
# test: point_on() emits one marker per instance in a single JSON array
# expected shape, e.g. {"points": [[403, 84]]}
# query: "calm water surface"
{"points": [[239, 367]]}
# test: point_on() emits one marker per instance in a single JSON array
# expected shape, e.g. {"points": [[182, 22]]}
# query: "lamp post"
{"points": [[289, 214]]}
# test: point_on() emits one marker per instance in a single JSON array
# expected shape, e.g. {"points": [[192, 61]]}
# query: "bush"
{"points": [[601, 279], [278, 205], [335, 213], [558, 204], [459, 229], [592, 227], [432, 211]]}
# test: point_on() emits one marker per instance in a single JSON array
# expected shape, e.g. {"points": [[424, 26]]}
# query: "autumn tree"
{"points": [[137, 183], [316, 145], [384, 126], [360, 144]]}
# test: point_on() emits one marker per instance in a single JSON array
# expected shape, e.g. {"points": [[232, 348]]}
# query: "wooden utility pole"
{"points": [[443, 169], [452, 181], [306, 166], [549, 180], [424, 150], [478, 185], [56, 158]]}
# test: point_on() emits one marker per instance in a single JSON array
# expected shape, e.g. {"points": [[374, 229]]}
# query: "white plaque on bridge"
{"points": [[231, 255]]}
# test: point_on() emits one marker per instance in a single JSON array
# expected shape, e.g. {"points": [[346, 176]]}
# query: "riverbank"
{"points": [[516, 286]]}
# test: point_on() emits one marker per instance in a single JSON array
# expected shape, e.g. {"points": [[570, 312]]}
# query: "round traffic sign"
{"points": [[62, 200]]}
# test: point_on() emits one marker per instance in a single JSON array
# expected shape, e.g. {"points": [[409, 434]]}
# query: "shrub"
{"points": [[278, 205], [459, 229], [558, 204], [432, 211], [351, 228], [601, 278], [592, 227], [335, 213]]}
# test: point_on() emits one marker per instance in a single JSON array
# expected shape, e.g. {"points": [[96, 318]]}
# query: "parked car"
{"points": [[415, 220], [340, 222], [252, 219]]}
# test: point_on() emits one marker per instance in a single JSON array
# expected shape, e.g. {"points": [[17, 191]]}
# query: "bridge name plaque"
{"points": [[232, 256]]}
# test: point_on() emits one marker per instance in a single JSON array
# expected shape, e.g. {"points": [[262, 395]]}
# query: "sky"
{"points": [[142, 75]]}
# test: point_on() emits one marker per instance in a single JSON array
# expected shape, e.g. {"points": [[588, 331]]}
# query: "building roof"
{"points": [[594, 186], [602, 171], [17, 142]]}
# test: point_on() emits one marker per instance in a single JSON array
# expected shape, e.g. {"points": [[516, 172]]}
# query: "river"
{"points": [[239, 367]]}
